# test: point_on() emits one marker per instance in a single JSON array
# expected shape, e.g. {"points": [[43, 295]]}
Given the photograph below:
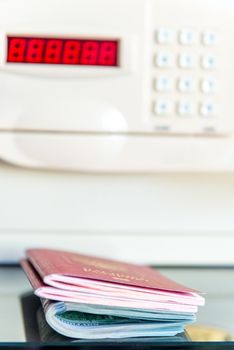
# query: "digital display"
{"points": [[81, 52]]}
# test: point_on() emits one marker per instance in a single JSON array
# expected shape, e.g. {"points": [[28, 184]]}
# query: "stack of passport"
{"points": [[85, 297]]}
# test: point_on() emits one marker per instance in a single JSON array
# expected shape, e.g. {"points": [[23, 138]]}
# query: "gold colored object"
{"points": [[205, 333]]}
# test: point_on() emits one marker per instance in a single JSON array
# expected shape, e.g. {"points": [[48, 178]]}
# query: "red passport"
{"points": [[67, 276], [49, 262]]}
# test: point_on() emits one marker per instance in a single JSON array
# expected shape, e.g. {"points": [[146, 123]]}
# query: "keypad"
{"points": [[184, 70]]}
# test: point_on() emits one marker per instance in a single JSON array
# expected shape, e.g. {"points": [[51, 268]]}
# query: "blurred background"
{"points": [[117, 137], [123, 147], [160, 219]]}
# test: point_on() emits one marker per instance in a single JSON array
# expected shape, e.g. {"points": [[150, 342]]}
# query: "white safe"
{"points": [[137, 87], [117, 85]]}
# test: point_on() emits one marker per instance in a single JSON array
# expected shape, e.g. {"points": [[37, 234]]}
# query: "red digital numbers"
{"points": [[71, 52], [16, 50], [62, 51], [34, 53], [53, 51], [89, 53], [107, 53]]}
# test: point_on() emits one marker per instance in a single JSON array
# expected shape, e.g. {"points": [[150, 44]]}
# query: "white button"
{"points": [[186, 84], [207, 109], [187, 61], [163, 84], [163, 60], [209, 38], [185, 109], [165, 36], [187, 37], [208, 62], [208, 85], [162, 108]]}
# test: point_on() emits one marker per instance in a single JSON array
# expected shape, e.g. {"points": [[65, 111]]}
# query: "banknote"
{"points": [[78, 324], [142, 314], [47, 334]]}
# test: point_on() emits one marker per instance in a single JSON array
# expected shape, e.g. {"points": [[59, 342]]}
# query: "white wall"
{"points": [[165, 218]]}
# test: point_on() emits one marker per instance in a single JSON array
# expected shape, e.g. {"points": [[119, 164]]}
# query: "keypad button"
{"points": [[208, 62], [162, 108], [163, 84], [209, 38], [186, 84], [165, 36], [187, 37], [207, 109], [187, 61], [163, 60], [185, 109], [208, 85]]}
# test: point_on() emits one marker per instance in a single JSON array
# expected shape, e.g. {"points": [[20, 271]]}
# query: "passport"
{"points": [[93, 298], [72, 277], [49, 262]]}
